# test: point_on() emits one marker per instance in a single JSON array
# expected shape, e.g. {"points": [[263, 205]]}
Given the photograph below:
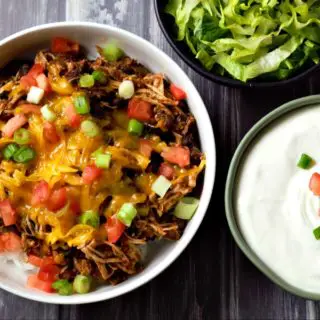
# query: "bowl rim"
{"points": [[195, 65], [230, 187], [210, 172]]}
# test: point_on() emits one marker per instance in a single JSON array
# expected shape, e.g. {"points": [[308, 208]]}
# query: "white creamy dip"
{"points": [[275, 210]]}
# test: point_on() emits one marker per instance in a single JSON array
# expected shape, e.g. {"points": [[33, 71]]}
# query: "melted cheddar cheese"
{"points": [[61, 164]]}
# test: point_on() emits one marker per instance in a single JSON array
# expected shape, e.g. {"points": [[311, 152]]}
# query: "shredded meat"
{"points": [[169, 124], [182, 186], [83, 266], [153, 226], [109, 257]]}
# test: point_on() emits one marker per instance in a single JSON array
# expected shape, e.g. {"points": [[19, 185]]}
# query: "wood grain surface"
{"points": [[212, 279]]}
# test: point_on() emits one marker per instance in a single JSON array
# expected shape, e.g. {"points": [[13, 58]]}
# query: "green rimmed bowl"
{"points": [[231, 183]]}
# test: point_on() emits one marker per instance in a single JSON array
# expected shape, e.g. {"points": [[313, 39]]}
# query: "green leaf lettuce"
{"points": [[249, 39]]}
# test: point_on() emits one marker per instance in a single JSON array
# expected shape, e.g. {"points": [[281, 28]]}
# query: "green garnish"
{"points": [[10, 150], [86, 81], [24, 155], [135, 127], [81, 104], [186, 207], [63, 287], [316, 233], [127, 213], [103, 160], [97, 152], [99, 76], [90, 128], [90, 218], [161, 185], [21, 136], [112, 53], [82, 284], [48, 114], [305, 161]]}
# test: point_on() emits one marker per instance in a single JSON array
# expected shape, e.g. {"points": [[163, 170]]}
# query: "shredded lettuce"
{"points": [[250, 39]]}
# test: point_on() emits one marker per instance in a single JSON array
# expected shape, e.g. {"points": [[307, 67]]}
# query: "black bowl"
{"points": [[167, 25]]}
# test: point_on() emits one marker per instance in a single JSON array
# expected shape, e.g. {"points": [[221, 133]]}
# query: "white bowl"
{"points": [[161, 255]]}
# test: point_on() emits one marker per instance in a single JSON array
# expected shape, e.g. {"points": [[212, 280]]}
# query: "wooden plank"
{"points": [[16, 15]]}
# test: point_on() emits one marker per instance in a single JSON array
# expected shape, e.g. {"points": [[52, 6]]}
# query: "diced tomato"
{"points": [[48, 272], [14, 124], [27, 82], [36, 77], [36, 69], [2, 245], [35, 283], [38, 262], [50, 132], [73, 117], [7, 213], [43, 82], [62, 45], [40, 193], [115, 229], [34, 260], [145, 147], [314, 184], [166, 170], [177, 92], [57, 200], [90, 174], [140, 110], [29, 108], [178, 155], [29, 79], [47, 260], [75, 207], [10, 242]]}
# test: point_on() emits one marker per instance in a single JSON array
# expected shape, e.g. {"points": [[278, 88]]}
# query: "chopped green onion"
{"points": [[186, 207], [126, 89], [86, 81], [103, 160], [90, 218], [97, 152], [21, 136], [161, 186], [135, 127], [305, 161], [81, 104], [90, 128], [127, 213], [316, 233], [10, 150], [48, 114], [112, 53], [63, 287], [82, 284], [24, 155], [99, 76]]}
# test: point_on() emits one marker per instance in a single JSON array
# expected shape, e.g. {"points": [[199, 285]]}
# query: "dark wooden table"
{"points": [[212, 279]]}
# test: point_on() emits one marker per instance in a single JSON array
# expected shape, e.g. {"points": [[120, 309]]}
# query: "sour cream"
{"points": [[275, 210]]}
